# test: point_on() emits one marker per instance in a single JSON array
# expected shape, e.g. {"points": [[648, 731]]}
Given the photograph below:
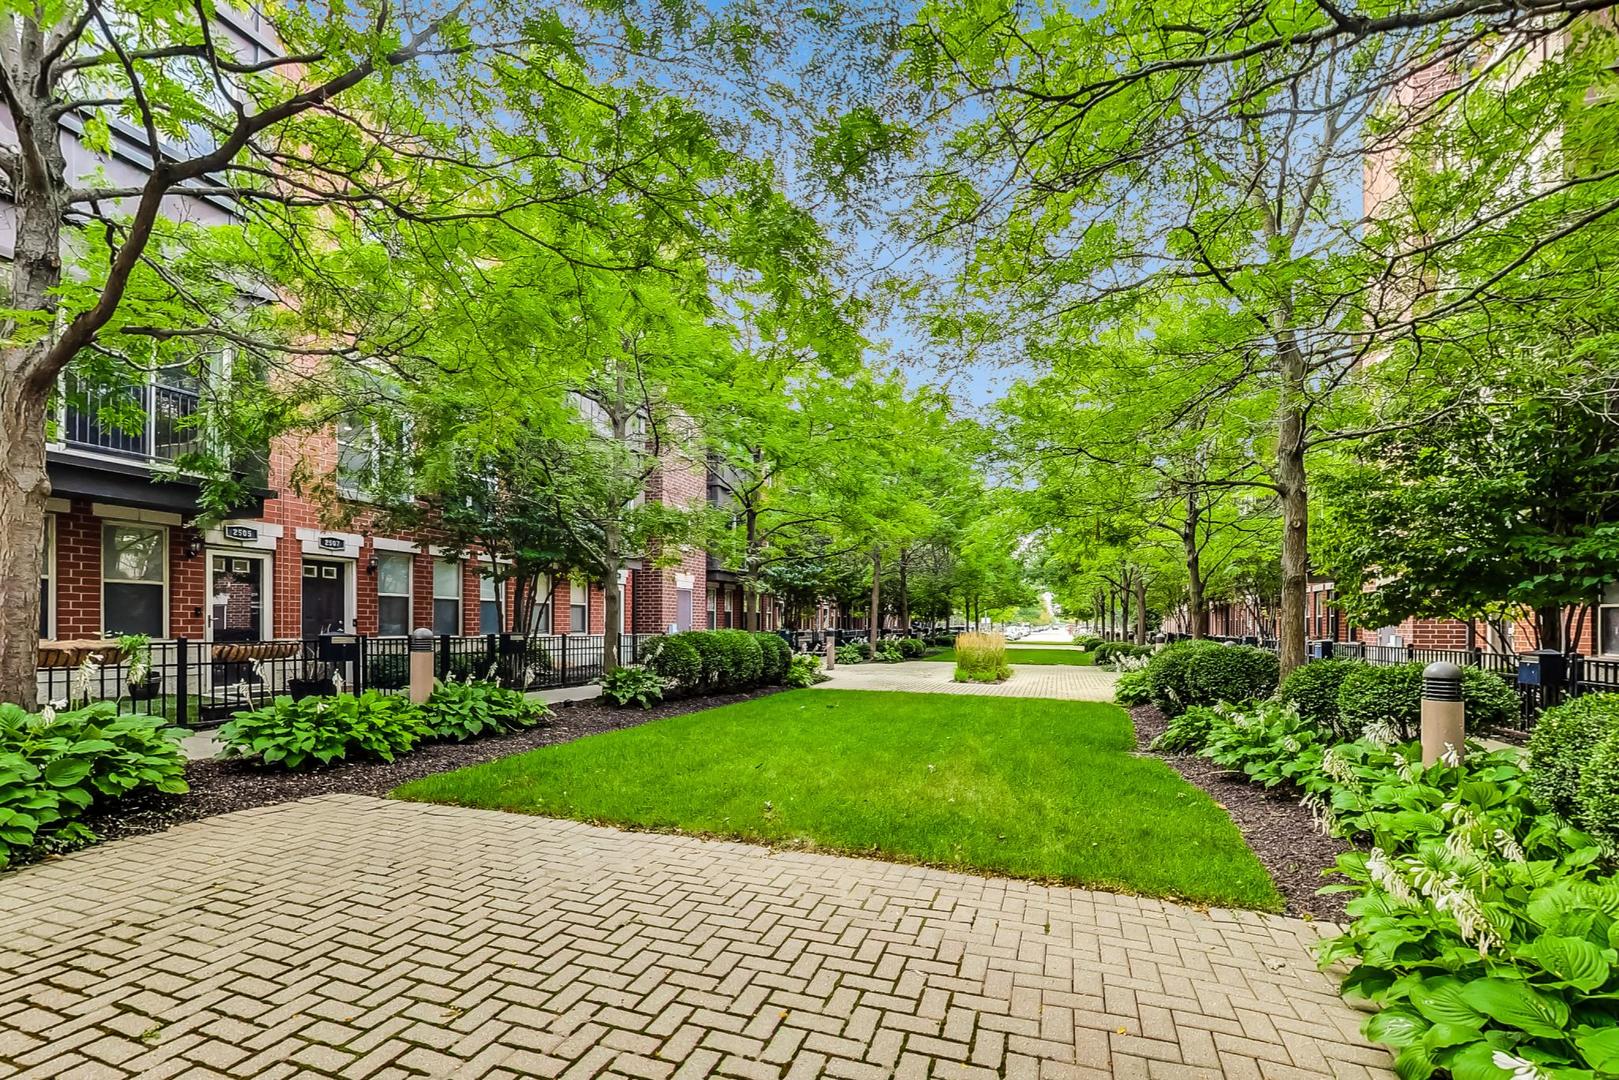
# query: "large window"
{"points": [[488, 607], [540, 618], [713, 606], [446, 597], [47, 574], [393, 593], [134, 579], [578, 609], [1608, 620], [356, 457]]}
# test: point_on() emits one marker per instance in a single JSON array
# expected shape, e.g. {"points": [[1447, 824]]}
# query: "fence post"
{"points": [[444, 644], [1444, 714], [182, 671], [421, 664], [562, 669], [359, 664]]}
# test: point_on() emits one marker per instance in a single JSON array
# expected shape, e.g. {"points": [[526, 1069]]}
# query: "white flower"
{"points": [[1336, 766], [1382, 733], [1509, 848], [1388, 878], [48, 714], [1452, 756], [1518, 1067], [337, 682]]}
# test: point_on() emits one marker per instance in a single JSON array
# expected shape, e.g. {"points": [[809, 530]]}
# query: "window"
{"points": [[713, 623], [134, 579], [47, 571], [1608, 620], [393, 593], [446, 596], [578, 611], [488, 608], [540, 621], [363, 447]]}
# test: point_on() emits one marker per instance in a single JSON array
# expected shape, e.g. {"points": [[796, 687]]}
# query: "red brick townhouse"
{"points": [[124, 555]]}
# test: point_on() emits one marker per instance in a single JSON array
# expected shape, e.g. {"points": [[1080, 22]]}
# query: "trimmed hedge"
{"points": [[706, 661], [912, 648], [1596, 806], [1565, 738], [778, 656], [676, 659], [1190, 673], [742, 662], [1312, 689], [1108, 651], [1392, 695]]}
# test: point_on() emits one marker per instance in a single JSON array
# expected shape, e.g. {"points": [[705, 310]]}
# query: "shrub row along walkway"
{"points": [[347, 936], [1059, 683]]}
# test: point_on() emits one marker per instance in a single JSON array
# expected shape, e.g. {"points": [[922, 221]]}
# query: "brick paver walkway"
{"points": [[359, 938], [931, 677]]}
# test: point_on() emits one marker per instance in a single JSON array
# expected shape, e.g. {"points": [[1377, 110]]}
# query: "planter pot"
{"points": [[304, 688], [146, 689], [240, 652]]}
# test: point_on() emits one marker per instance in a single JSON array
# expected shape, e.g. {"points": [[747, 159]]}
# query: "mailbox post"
{"points": [[1444, 726]]}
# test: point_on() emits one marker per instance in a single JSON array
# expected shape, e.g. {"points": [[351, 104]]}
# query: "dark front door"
{"points": [[238, 598], [323, 598]]}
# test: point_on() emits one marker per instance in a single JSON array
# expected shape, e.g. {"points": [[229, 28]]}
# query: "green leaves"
{"points": [[1574, 961], [1515, 1004]]}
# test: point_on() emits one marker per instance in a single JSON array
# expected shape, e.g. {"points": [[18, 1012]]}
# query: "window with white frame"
{"points": [[356, 456], [540, 619], [446, 596], [47, 575], [578, 609], [1608, 620], [134, 579], [393, 592], [488, 606], [712, 609]]}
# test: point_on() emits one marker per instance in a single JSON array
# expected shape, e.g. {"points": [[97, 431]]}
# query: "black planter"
{"points": [[146, 689], [305, 688]]}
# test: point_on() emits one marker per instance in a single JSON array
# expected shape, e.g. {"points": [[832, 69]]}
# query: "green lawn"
{"points": [[1018, 786], [1014, 655]]}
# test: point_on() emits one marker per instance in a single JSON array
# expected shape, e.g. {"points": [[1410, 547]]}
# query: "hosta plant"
{"points": [[302, 733], [54, 766], [804, 671], [1269, 742], [632, 685], [459, 711]]}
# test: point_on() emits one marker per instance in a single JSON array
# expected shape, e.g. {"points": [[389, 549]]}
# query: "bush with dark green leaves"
{"points": [[1089, 642], [54, 766], [676, 659], [777, 655], [1373, 694], [712, 652], [306, 732], [1230, 673], [1312, 689], [1132, 689], [743, 661], [1109, 651], [460, 711], [888, 652], [911, 648], [1564, 739], [632, 685], [1596, 804]]}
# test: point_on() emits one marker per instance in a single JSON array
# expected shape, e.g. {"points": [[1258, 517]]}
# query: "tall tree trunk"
{"points": [[1295, 499], [1549, 627], [876, 593], [904, 593], [1141, 609], [24, 488], [1197, 608]]}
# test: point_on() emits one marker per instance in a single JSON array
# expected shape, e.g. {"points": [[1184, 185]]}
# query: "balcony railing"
{"points": [[164, 427]]}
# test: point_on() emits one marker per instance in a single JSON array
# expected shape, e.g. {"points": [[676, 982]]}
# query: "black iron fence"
{"points": [[201, 683]]}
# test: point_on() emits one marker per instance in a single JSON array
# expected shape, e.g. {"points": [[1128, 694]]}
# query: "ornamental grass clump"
{"points": [[981, 658]]}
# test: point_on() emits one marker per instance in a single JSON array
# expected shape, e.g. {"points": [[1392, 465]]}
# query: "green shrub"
{"points": [[319, 730], [1167, 673], [912, 648], [743, 661], [1563, 741], [981, 658], [677, 659], [1188, 732], [388, 671], [777, 656], [465, 710], [854, 652], [1392, 695], [1089, 642], [624, 685], [1132, 689], [1109, 651], [804, 671], [712, 652], [1596, 805], [1312, 689], [1232, 673], [888, 652], [1269, 742], [54, 766]]}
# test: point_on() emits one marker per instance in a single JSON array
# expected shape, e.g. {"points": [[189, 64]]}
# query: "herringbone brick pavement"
{"points": [[366, 940]]}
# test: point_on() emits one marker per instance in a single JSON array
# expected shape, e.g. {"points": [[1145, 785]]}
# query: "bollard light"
{"points": [[421, 664], [1444, 715]]}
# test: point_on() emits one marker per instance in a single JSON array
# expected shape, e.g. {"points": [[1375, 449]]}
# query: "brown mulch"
{"points": [[1274, 823], [219, 786]]}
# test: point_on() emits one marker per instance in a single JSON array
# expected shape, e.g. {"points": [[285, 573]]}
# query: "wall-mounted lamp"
{"points": [[371, 566], [193, 546]]}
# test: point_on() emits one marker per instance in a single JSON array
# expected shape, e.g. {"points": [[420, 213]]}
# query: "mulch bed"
{"points": [[1274, 823], [219, 786]]}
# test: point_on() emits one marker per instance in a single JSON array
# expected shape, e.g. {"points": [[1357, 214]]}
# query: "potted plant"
{"points": [[317, 678], [143, 683]]}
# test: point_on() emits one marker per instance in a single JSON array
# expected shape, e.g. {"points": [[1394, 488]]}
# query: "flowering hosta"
{"points": [[1268, 742]]}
